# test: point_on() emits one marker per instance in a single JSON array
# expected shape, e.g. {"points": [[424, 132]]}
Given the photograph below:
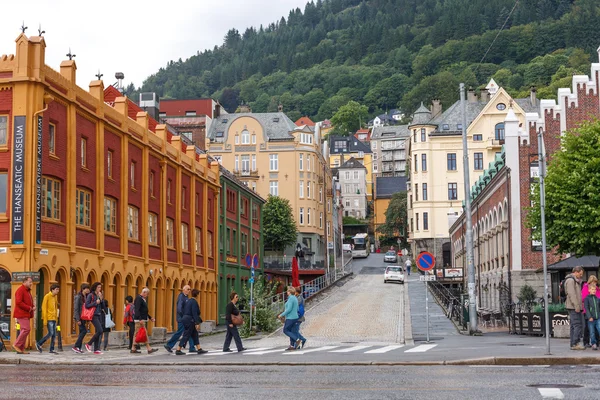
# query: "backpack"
{"points": [[301, 310], [562, 289]]}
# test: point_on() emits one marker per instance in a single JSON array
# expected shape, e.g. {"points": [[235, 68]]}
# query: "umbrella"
{"points": [[295, 273]]}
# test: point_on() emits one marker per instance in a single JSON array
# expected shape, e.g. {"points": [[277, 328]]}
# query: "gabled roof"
{"points": [[352, 163], [390, 132], [452, 117], [353, 145], [422, 116], [387, 186], [304, 121], [226, 174], [277, 126]]}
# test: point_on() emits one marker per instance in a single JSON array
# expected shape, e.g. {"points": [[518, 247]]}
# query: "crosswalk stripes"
{"points": [[350, 349], [551, 393], [384, 349], [260, 353], [311, 350], [222, 353], [422, 348]]}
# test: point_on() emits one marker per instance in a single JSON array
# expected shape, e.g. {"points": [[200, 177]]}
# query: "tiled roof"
{"points": [[277, 126], [390, 132], [110, 95], [352, 163], [353, 145], [386, 186], [450, 119]]}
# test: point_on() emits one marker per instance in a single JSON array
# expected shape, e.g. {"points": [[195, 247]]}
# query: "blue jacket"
{"points": [[191, 312], [291, 308], [182, 299]]}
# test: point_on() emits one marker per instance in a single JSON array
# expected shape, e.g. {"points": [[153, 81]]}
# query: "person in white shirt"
{"points": [[407, 265]]}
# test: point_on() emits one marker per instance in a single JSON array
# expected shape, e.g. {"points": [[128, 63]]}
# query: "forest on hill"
{"points": [[389, 54]]}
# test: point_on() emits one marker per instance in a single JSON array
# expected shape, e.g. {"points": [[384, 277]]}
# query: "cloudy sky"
{"points": [[133, 37]]}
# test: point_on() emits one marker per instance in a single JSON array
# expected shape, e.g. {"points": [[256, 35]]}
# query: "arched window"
{"points": [[245, 137], [499, 130]]}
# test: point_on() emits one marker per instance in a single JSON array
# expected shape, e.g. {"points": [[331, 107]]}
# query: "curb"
{"points": [[408, 334], [486, 361]]}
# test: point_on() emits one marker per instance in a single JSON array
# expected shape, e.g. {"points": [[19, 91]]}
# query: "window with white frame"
{"points": [[198, 240], [245, 164], [133, 223], [320, 194], [301, 162], [374, 145], [185, 237], [253, 139], [308, 216], [301, 189], [274, 162], [237, 139], [308, 162], [236, 164], [328, 229], [347, 175], [170, 236], [301, 216], [152, 228], [245, 137], [355, 174], [308, 190], [274, 188], [320, 220], [253, 162]]}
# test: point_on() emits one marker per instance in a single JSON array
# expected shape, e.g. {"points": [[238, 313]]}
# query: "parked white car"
{"points": [[393, 273]]}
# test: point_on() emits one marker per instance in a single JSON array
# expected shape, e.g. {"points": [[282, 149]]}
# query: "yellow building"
{"points": [[273, 156], [436, 179], [385, 188], [88, 193], [343, 148]]}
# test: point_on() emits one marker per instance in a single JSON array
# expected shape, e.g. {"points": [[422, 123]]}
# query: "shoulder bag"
{"points": [[108, 322], [237, 319]]}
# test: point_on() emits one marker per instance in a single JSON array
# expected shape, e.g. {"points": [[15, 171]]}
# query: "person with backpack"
{"points": [[592, 314], [301, 318], [77, 307], [573, 304], [128, 319]]}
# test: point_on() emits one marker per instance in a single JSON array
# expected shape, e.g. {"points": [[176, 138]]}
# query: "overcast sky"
{"points": [[133, 37]]}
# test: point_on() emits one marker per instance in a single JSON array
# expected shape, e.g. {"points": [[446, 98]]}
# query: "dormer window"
{"points": [[446, 127], [276, 119], [224, 120], [219, 134]]}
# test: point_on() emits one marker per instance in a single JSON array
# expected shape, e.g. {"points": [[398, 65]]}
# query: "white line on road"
{"points": [[384, 349], [222, 353], [422, 348], [311, 350], [551, 393], [349, 349], [259, 353]]}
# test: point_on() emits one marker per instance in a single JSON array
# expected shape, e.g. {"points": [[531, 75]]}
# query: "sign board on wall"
{"points": [[19, 276], [38, 182], [18, 178], [453, 272]]}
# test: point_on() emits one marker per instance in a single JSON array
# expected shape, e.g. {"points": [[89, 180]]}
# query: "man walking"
{"points": [[141, 318], [573, 304], [407, 265], [24, 309], [77, 307], [50, 316], [182, 299]]}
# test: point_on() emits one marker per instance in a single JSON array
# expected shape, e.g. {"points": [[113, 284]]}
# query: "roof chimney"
{"points": [[436, 107], [484, 95], [280, 108], [533, 96], [471, 96]]}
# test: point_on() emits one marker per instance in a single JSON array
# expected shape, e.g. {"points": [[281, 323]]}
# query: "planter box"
{"points": [[533, 323]]}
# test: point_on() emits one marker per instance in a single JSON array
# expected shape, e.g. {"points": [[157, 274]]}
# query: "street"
{"points": [[285, 382]]}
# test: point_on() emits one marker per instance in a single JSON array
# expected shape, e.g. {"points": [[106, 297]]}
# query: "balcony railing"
{"points": [[245, 172], [284, 263], [495, 143]]}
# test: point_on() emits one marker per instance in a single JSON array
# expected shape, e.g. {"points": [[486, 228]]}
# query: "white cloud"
{"points": [[136, 38]]}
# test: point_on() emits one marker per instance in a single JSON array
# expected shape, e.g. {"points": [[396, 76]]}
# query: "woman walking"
{"points": [[289, 317], [191, 323], [128, 318], [232, 330], [301, 318], [94, 300]]}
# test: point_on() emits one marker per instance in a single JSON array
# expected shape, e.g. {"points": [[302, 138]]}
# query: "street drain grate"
{"points": [[555, 386]]}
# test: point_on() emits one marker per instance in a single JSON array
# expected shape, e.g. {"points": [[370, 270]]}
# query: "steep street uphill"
{"points": [[387, 54]]}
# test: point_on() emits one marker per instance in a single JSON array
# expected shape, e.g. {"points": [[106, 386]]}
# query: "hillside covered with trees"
{"points": [[389, 54]]}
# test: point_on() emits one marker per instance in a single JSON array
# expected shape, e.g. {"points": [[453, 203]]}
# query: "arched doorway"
{"points": [[118, 301], [161, 312], [42, 288], [63, 298], [5, 301], [77, 279]]}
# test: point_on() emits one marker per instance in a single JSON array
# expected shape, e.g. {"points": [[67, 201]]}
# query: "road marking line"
{"points": [[349, 349], [222, 353], [384, 349], [258, 353], [311, 350], [422, 348], [551, 393]]}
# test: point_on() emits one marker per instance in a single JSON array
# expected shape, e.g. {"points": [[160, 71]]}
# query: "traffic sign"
{"points": [[425, 261], [255, 261], [251, 280], [427, 278], [252, 272], [248, 260]]}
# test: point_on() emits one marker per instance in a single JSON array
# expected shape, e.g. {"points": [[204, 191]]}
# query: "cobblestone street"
{"points": [[363, 310]]}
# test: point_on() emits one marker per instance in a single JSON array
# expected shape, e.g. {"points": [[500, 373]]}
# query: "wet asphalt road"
{"points": [[289, 382]]}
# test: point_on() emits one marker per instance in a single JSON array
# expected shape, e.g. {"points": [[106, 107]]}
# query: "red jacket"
{"points": [[23, 303]]}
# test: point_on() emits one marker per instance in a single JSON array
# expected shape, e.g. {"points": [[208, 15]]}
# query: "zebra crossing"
{"points": [[364, 349]]}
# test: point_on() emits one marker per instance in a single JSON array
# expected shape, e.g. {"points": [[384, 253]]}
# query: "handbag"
{"points": [[237, 319], [108, 322], [87, 314], [141, 336]]}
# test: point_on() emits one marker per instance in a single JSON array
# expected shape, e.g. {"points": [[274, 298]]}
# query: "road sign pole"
{"points": [[251, 301], [427, 307]]}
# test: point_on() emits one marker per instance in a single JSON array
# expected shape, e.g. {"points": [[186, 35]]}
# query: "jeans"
{"points": [[297, 331], [594, 328], [50, 335], [289, 329], [95, 340], [25, 329], [232, 333], [177, 335], [408, 271], [576, 330], [82, 332]]}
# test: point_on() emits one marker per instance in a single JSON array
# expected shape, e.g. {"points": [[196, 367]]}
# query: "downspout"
{"points": [[509, 264]]}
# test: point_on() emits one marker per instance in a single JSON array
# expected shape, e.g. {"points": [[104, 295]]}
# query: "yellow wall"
{"points": [[380, 207]]}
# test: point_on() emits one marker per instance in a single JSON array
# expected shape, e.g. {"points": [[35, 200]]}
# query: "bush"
{"points": [[526, 294], [553, 307], [264, 316]]}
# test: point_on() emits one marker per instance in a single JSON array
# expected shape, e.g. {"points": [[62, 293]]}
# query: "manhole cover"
{"points": [[554, 386]]}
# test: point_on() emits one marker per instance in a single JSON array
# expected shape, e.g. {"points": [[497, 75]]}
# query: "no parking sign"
{"points": [[425, 261]]}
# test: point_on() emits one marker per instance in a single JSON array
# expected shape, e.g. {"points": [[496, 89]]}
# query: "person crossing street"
{"points": [[50, 316]]}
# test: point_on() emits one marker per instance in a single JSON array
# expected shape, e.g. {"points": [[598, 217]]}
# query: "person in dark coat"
{"points": [[105, 330], [77, 307], [94, 300], [181, 300], [141, 318], [191, 321], [232, 330]]}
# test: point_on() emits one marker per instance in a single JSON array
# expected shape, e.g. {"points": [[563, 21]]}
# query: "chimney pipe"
{"points": [[471, 96], [280, 108], [533, 96], [484, 95], [436, 107]]}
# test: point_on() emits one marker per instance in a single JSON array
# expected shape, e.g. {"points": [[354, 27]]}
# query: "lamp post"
{"points": [[542, 175]]}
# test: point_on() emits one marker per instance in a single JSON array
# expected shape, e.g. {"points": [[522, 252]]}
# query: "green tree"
{"points": [[349, 118], [396, 219], [572, 195], [279, 227]]}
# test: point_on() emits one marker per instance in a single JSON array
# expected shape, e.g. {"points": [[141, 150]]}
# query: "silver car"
{"points": [[390, 256]]}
